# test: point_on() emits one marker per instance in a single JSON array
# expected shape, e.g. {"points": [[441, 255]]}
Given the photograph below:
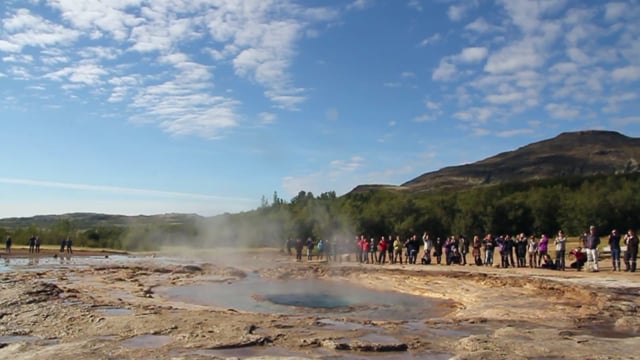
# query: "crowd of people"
{"points": [[514, 250]]}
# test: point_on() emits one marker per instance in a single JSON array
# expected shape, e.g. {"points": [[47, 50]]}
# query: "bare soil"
{"points": [[114, 308]]}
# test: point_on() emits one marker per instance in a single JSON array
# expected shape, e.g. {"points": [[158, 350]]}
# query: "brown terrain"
{"points": [[583, 153], [223, 304]]}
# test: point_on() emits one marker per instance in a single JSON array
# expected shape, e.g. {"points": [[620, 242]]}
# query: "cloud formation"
{"points": [[141, 54], [563, 58]]}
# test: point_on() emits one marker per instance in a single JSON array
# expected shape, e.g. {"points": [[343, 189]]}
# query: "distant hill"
{"points": [[583, 153], [91, 220]]}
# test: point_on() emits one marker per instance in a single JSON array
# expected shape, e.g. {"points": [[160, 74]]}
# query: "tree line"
{"points": [[536, 207]]}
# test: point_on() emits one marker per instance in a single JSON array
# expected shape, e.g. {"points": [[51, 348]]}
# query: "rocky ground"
{"points": [[116, 307]]}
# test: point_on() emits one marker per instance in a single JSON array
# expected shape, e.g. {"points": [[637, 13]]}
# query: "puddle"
{"points": [[105, 338], [275, 352], [305, 297], [378, 339], [115, 311], [45, 262], [247, 352], [331, 324], [607, 331], [146, 341], [18, 338]]}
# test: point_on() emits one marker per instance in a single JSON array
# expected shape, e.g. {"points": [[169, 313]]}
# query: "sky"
{"points": [[205, 106]]}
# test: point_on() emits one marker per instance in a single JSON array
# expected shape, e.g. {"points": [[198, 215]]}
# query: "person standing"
{"points": [[532, 249], [397, 250], [464, 249], [614, 246], [37, 244], [477, 244], [561, 248], [69, 244], [521, 250], [382, 250], [489, 245], [437, 249], [310, 245], [7, 245], [373, 251], [591, 243], [32, 244], [543, 248], [321, 249], [299, 246], [427, 245], [631, 255]]}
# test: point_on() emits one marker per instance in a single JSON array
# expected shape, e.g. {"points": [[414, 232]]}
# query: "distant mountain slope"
{"points": [[90, 220], [581, 153]]}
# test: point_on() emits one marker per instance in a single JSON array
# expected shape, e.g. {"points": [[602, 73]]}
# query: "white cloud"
{"points": [[25, 29], [423, 118], [340, 175], [564, 68], [515, 57], [481, 26], [444, 72], [98, 16], [458, 12], [624, 121], [627, 73], [614, 102], [431, 105], [562, 111], [7, 46], [430, 40], [473, 54], [267, 117], [578, 56], [416, 5], [506, 98], [615, 10], [97, 43], [114, 189], [513, 132], [359, 4], [475, 115], [87, 74], [332, 114], [526, 14]]}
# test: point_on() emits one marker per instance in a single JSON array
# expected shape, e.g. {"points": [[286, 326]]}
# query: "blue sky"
{"points": [[204, 106]]}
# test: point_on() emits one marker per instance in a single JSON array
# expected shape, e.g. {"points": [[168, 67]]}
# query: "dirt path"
{"points": [[116, 308]]}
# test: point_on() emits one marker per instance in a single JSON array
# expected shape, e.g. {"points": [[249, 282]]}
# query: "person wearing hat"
{"points": [[591, 243]]}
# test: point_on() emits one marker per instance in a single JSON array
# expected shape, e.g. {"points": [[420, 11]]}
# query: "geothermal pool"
{"points": [[308, 297]]}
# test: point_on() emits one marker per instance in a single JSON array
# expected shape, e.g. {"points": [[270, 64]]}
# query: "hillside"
{"points": [[90, 220], [582, 153]]}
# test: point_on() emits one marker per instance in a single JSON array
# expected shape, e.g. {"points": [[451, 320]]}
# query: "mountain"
{"points": [[89, 220], [582, 153]]}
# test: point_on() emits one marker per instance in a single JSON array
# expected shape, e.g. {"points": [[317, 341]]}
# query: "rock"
{"points": [[192, 268], [245, 341], [628, 324], [364, 346], [251, 328]]}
